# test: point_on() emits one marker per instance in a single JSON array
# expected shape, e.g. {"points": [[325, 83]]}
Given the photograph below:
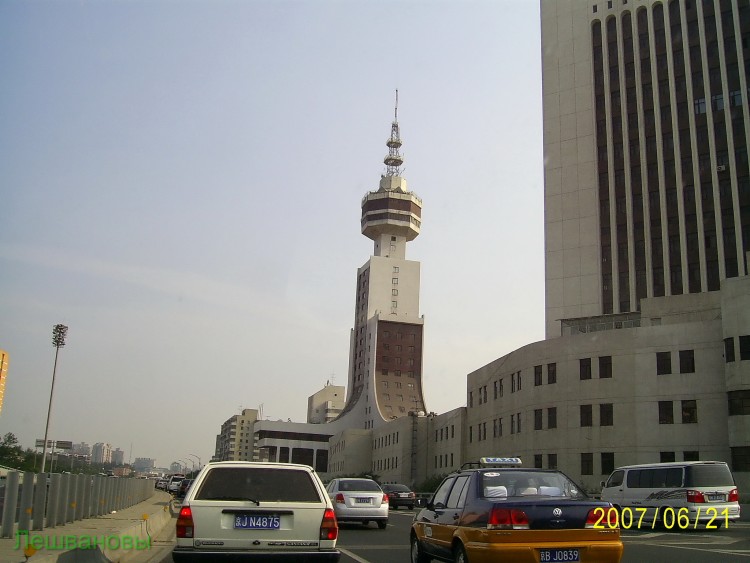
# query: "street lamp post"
{"points": [[199, 460], [58, 341]]}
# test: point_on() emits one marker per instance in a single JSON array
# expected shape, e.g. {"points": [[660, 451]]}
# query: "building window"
{"points": [[739, 402], [395, 269], [500, 386], [512, 424], [666, 457], [744, 347], [538, 419], [471, 399], [494, 390], [551, 373], [537, 461], [606, 414], [741, 458], [699, 104], [518, 423], [394, 292], [608, 462], [585, 368], [587, 464], [471, 434], [690, 456], [663, 363], [728, 350], [552, 461], [394, 281], [518, 384], [689, 412], [605, 367], [687, 361], [552, 417], [586, 415], [666, 414], [537, 375]]}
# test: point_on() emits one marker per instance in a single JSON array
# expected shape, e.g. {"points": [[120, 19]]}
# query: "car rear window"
{"points": [[499, 484], [717, 475], [358, 485], [398, 488], [258, 484]]}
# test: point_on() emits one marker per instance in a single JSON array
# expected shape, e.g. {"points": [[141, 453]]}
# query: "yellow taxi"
{"points": [[496, 510]]}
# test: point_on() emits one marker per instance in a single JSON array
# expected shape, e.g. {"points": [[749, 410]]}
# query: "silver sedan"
{"points": [[359, 500]]}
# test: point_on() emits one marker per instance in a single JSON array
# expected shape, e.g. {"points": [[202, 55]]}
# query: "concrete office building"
{"points": [[647, 229]]}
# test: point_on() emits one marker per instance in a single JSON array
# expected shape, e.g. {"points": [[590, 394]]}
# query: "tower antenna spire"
{"points": [[394, 160]]}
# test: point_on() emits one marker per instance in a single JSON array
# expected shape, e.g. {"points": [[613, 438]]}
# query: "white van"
{"points": [[677, 494]]}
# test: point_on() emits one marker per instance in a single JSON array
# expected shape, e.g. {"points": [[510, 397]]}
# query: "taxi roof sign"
{"points": [[500, 461]]}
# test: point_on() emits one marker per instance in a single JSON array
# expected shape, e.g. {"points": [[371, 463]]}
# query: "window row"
{"points": [[442, 434], [442, 461], [664, 362], [729, 354], [689, 412], [385, 441]]}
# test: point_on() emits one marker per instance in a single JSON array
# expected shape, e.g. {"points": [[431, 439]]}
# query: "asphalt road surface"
{"points": [[371, 545]]}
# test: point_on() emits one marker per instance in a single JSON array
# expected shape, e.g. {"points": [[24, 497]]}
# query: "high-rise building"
{"points": [[325, 405], [647, 218], [385, 359], [101, 453], [647, 187], [118, 457]]}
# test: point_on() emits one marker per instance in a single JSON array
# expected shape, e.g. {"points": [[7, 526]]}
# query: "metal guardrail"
{"points": [[37, 501]]}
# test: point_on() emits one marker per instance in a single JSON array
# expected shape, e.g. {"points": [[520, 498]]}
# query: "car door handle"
{"points": [[456, 516]]}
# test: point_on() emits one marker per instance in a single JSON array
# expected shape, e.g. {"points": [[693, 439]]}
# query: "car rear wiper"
{"points": [[257, 502]]}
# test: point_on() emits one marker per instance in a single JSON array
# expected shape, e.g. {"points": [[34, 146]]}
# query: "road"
{"points": [[372, 545]]}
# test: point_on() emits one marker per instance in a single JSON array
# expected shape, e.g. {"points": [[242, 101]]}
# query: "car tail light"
{"points": [[609, 518], [507, 519], [695, 496], [340, 499], [734, 496], [329, 528], [185, 523], [385, 499]]}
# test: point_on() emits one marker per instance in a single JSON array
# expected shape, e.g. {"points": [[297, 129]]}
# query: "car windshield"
{"points": [[504, 484], [258, 484], [358, 485], [708, 476]]}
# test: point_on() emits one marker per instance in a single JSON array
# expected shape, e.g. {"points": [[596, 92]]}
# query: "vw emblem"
{"points": [[557, 512]]}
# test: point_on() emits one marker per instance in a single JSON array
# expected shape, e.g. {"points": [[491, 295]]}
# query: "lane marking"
{"points": [[353, 556]]}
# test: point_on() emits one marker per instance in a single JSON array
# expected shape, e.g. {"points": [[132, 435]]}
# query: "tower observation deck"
{"points": [[392, 210]]}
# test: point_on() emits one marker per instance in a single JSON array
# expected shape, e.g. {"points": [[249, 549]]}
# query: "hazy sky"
{"points": [[180, 184]]}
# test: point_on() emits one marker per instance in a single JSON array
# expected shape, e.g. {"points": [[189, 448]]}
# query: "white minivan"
{"points": [[677, 494]]}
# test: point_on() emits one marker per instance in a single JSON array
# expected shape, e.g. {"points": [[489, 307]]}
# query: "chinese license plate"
{"points": [[715, 497], [257, 522], [555, 555], [361, 500]]}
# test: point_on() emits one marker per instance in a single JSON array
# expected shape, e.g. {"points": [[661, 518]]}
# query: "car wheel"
{"points": [[365, 522], [410, 507], [382, 524], [417, 553], [459, 554]]}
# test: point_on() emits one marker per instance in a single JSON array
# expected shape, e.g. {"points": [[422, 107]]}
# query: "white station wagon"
{"points": [[241, 510]]}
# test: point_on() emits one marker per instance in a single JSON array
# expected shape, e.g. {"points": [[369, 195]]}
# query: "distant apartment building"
{"points": [[118, 457], [101, 453], [325, 405], [82, 449], [235, 441], [144, 464], [3, 376]]}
